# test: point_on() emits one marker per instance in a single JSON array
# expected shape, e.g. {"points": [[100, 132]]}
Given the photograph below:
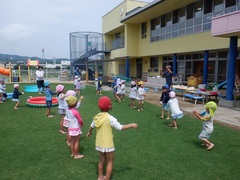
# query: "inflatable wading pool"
{"points": [[32, 88], [9, 95], [40, 101]]}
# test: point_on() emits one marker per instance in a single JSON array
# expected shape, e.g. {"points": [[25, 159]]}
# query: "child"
{"points": [[140, 95], [96, 85], [118, 94], [3, 94], [123, 86], [99, 90], [61, 106], [114, 84], [65, 122], [164, 100], [133, 93], [207, 128], [49, 94], [75, 82], [175, 110], [104, 137], [75, 124], [78, 85], [15, 97]]}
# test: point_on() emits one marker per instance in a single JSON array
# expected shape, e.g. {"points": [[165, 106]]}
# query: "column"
{"points": [[205, 67], [231, 69], [127, 67], [174, 64]]}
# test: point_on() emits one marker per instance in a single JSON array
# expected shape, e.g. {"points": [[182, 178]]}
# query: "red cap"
{"points": [[104, 103]]}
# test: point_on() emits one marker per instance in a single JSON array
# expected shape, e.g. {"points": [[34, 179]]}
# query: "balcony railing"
{"points": [[118, 43]]}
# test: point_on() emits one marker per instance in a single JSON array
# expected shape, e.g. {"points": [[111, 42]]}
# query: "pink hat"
{"points": [[16, 85], [70, 93], [59, 88], [104, 103], [133, 83], [172, 94]]}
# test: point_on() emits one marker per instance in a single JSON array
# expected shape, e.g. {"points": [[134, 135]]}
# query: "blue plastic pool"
{"points": [[32, 88]]}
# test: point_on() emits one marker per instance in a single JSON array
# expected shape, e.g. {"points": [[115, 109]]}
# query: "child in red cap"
{"points": [[104, 137]]}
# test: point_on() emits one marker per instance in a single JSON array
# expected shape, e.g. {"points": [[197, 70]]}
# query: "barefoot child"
{"points": [[74, 127], [164, 101], [207, 128], [61, 106], [175, 110], [16, 93], [49, 94], [133, 93], [140, 95], [103, 122]]}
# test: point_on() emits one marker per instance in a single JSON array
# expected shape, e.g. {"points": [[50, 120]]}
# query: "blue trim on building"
{"points": [[205, 67], [231, 69], [174, 64], [127, 67]]}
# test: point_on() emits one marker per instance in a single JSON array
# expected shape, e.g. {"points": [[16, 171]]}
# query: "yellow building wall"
{"points": [[192, 43], [132, 39], [112, 19]]}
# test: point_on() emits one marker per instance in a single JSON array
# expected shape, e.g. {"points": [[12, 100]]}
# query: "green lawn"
{"points": [[32, 147]]}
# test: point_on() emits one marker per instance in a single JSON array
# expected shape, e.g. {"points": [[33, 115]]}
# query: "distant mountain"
{"points": [[6, 58]]}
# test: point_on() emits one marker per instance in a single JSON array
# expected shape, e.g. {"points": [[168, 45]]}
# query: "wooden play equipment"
{"points": [[31, 63], [8, 72]]}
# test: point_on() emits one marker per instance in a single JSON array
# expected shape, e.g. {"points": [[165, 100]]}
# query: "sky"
{"points": [[28, 26]]}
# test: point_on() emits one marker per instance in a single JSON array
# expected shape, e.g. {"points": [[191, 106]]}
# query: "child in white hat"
{"points": [[15, 97]]}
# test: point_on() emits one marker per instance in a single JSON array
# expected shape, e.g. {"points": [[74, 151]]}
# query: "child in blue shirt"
{"points": [[49, 94], [164, 101]]}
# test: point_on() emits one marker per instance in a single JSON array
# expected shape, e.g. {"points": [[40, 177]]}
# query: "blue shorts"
{"points": [[49, 104], [165, 107], [177, 116]]}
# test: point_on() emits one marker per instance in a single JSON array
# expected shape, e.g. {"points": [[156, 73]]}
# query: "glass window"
{"points": [[144, 30], [222, 71], [198, 9], [153, 26], [208, 6], [117, 35], [196, 56], [154, 64], [190, 11], [169, 19], [181, 57], [182, 16], [223, 54], [230, 3], [163, 20], [218, 5], [188, 56], [175, 16]]}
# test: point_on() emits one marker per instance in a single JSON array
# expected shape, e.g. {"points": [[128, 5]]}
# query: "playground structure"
{"points": [[8, 72], [86, 49]]}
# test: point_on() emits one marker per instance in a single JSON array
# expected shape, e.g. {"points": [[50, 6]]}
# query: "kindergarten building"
{"points": [[196, 37]]}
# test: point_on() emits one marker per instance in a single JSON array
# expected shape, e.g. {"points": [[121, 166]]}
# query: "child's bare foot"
{"points": [[161, 117], [15, 108], [50, 116], [170, 125], [79, 156], [62, 132], [102, 178], [210, 146], [167, 118], [68, 143]]}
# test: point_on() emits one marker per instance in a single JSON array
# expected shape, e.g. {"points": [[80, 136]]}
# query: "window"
{"points": [[190, 11], [198, 9], [154, 64], [208, 6], [218, 5], [182, 16], [163, 20], [144, 30], [155, 24], [117, 35], [230, 3], [175, 16], [169, 19]]}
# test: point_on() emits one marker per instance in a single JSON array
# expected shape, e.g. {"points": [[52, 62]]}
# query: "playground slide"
{"points": [[221, 85], [4, 71]]}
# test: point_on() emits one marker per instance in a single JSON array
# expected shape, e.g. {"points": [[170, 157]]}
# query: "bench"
{"points": [[195, 98]]}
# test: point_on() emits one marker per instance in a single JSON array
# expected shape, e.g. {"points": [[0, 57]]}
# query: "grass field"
{"points": [[31, 146]]}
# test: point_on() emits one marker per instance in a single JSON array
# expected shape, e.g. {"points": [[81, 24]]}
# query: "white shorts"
{"points": [[15, 100], [74, 131]]}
